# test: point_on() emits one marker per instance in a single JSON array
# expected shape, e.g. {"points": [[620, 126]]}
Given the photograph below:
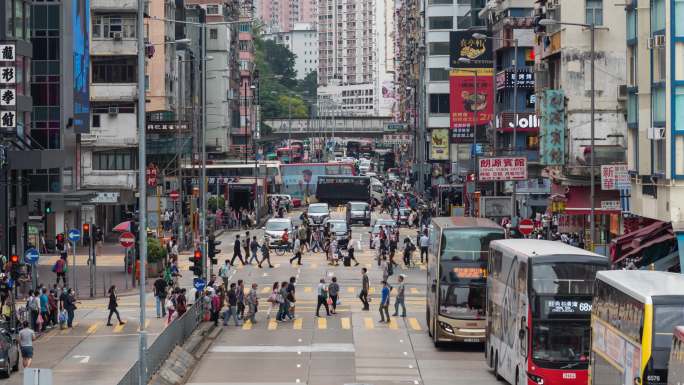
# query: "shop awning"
{"points": [[634, 243], [605, 202]]}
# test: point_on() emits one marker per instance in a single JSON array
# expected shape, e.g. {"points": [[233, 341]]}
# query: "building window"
{"points": [[632, 61], [45, 180], [659, 64], [95, 121], [114, 160], [532, 142], [659, 156], [114, 70], [245, 27], [439, 103], [438, 74], [439, 48], [679, 17], [438, 2], [633, 108], [658, 104], [679, 106], [594, 11], [213, 34], [110, 27], [658, 15], [441, 22], [632, 24], [213, 9]]}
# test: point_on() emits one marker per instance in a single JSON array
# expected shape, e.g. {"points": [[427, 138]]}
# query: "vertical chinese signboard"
{"points": [[552, 130], [8, 87], [614, 177], [471, 82]]}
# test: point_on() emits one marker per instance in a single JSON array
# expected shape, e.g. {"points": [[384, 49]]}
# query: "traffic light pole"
{"points": [[73, 267]]}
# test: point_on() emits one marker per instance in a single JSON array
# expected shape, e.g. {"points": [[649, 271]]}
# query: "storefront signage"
{"points": [[509, 79], [167, 127], [439, 144], [8, 88], [106, 197], [526, 122], [614, 177], [610, 205], [552, 130], [462, 44], [502, 168], [397, 138], [471, 97], [395, 127]]}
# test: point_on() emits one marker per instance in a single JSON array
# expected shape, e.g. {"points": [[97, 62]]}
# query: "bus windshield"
{"points": [[561, 345], [560, 278], [467, 244], [463, 302]]}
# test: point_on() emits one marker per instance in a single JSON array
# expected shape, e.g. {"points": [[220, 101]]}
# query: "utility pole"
{"points": [[142, 193], [203, 171]]}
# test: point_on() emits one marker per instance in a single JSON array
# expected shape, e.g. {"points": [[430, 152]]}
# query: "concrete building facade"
{"points": [[284, 15], [302, 40]]}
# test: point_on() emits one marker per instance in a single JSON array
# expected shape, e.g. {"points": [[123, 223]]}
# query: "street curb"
{"points": [[181, 362]]}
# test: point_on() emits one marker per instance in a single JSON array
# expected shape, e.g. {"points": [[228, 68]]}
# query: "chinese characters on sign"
{"points": [[8, 92], [552, 130], [509, 79], [567, 306], [502, 168], [151, 175], [614, 177], [610, 205], [469, 102], [439, 144]]}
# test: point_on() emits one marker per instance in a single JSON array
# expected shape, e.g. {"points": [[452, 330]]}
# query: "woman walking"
{"points": [[113, 307], [333, 291], [273, 299]]}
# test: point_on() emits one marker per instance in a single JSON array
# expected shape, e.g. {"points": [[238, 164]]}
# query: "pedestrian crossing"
{"points": [[331, 323]]}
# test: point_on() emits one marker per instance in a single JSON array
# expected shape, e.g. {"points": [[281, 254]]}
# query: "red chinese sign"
{"points": [[466, 104], [502, 168], [151, 174]]}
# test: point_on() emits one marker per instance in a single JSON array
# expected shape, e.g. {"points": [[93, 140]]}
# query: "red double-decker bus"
{"points": [[539, 301]]}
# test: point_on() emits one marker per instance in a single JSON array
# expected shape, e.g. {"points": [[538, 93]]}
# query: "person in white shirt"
{"points": [[322, 291], [424, 243], [297, 252]]}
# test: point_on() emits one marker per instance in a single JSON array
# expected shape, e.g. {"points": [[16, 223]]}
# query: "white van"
{"points": [[377, 190]]}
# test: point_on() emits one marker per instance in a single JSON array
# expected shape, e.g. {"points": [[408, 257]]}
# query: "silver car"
{"points": [[274, 229], [318, 213]]}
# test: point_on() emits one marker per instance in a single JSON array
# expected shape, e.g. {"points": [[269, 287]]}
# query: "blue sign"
{"points": [[199, 283], [31, 256], [477, 149], [74, 235]]}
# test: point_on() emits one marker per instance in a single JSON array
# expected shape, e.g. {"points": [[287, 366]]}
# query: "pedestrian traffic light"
{"points": [[48, 207], [213, 251], [86, 232], [60, 237], [196, 260]]}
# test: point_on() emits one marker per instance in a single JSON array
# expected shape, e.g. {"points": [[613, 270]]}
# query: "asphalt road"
{"points": [[351, 347]]}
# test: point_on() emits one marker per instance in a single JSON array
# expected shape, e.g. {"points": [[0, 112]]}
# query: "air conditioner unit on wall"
{"points": [[116, 35], [649, 43], [622, 92], [659, 40], [656, 133]]}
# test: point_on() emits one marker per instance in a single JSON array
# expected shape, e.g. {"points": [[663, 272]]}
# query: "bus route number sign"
{"points": [[554, 306], [470, 272]]}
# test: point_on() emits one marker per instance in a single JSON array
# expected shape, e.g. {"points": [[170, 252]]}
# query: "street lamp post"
{"points": [[514, 145], [592, 160]]}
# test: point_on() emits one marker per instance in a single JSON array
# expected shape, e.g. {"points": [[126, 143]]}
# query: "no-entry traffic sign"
{"points": [[127, 239], [526, 226], [174, 195]]}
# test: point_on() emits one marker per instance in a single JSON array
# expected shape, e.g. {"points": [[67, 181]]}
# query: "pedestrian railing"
{"points": [[173, 335]]}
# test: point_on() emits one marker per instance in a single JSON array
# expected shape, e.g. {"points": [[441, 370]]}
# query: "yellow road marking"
{"points": [[93, 328], [147, 324], [371, 290], [265, 290], [393, 324], [368, 322], [272, 325], [414, 324], [346, 323], [247, 325], [423, 267], [322, 323], [68, 330], [119, 328], [414, 290], [351, 290], [308, 289], [313, 265], [297, 325]]}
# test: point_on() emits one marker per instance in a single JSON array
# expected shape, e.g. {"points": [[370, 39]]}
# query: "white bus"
{"points": [[634, 316], [539, 299]]}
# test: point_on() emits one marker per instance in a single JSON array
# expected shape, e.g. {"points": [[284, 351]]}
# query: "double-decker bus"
{"points": [[222, 173], [456, 277], [675, 369], [539, 301], [633, 318]]}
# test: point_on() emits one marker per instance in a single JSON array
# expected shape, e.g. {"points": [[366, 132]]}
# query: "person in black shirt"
{"points": [[112, 307], [160, 295], [350, 253], [4, 290], [237, 251]]}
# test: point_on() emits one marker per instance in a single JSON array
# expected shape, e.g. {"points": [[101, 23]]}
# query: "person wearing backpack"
{"points": [[224, 273], [334, 291], [60, 269], [160, 295]]}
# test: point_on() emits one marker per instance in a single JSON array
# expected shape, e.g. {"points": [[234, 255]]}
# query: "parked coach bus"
{"points": [[457, 264], [539, 300], [675, 369], [634, 315]]}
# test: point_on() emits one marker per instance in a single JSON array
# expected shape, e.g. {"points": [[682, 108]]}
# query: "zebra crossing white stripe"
{"points": [[313, 348]]}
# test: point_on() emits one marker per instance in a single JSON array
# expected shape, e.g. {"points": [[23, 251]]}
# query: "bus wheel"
{"points": [[496, 367]]}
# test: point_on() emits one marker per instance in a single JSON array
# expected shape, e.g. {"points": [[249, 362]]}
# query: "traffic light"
{"points": [[37, 206], [60, 237], [213, 251], [86, 232], [196, 260], [48, 207], [14, 270]]}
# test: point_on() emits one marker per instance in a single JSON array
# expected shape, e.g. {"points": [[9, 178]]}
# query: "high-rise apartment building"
{"points": [[243, 136], [283, 15], [302, 41], [354, 70]]}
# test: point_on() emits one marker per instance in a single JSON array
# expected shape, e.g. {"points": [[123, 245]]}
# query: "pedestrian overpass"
{"points": [[356, 126]]}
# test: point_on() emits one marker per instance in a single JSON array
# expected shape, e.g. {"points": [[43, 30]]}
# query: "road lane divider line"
{"points": [[119, 328], [272, 324], [308, 289], [346, 323], [322, 323], [414, 290], [415, 325], [368, 323], [393, 324], [93, 328], [351, 290], [265, 290], [297, 324], [247, 325]]}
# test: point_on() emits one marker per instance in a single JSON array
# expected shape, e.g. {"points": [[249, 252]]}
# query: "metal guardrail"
{"points": [[173, 335]]}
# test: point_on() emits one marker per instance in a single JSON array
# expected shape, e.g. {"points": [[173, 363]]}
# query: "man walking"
{"points": [[424, 242], [224, 273], [254, 247], [322, 292], [25, 339], [237, 251], [384, 303], [365, 286], [241, 299], [252, 303], [245, 246], [160, 295], [265, 254], [297, 252], [400, 297], [232, 306]]}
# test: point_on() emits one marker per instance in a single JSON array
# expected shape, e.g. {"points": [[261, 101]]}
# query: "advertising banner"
{"points": [[80, 16], [502, 168], [439, 144], [465, 103], [552, 130], [299, 180], [614, 177], [525, 122], [462, 44]]}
